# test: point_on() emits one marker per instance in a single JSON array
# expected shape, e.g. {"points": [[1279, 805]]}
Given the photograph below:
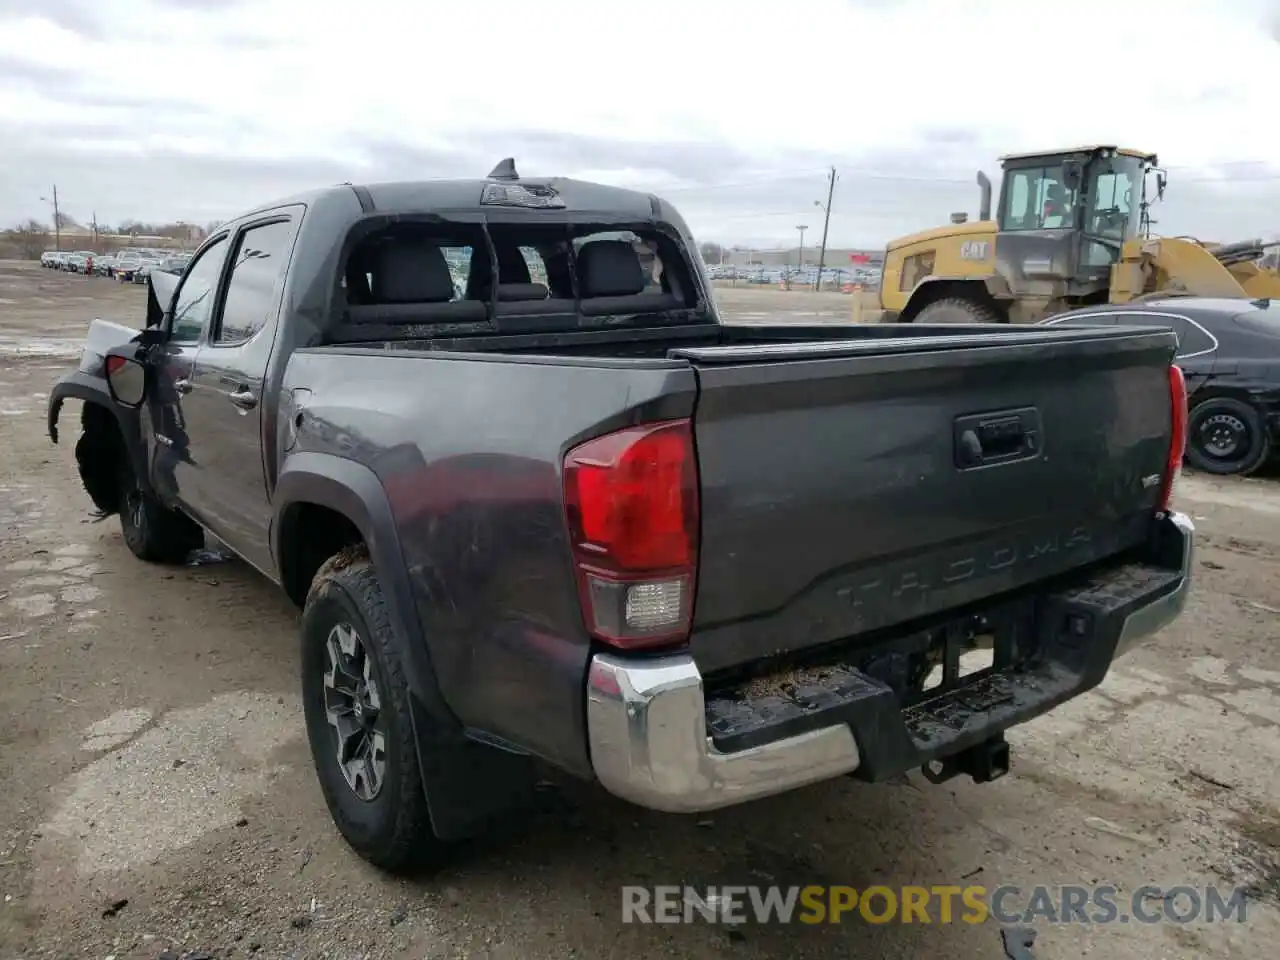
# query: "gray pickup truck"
{"points": [[538, 504]]}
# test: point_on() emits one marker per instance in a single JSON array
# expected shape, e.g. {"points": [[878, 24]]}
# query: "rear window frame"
{"points": [[677, 267]]}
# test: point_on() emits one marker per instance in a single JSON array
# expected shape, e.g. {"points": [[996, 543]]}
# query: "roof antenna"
{"points": [[506, 170]]}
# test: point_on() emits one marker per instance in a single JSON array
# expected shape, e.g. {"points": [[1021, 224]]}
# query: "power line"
{"points": [[874, 173], [782, 178]]}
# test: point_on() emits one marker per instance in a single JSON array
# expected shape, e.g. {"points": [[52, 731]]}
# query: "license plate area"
{"points": [[965, 652]]}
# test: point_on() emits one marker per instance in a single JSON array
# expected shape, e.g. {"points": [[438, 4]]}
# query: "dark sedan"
{"points": [[1229, 351]]}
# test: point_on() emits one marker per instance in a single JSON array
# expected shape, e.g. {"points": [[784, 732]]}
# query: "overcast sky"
{"points": [[197, 109]]}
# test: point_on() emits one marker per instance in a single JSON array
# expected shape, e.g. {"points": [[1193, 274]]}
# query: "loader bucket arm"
{"points": [[1186, 266], [1255, 281]]}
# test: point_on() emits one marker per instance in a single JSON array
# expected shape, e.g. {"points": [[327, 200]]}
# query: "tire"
{"points": [[957, 310], [390, 825], [152, 531], [1226, 437]]}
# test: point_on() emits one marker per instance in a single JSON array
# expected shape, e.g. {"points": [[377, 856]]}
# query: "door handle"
{"points": [[182, 386], [243, 398]]}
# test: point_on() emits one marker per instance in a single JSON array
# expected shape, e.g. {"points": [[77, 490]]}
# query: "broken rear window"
{"points": [[421, 273]]}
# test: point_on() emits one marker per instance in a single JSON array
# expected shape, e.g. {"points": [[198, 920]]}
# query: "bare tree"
{"points": [[31, 238], [712, 253]]}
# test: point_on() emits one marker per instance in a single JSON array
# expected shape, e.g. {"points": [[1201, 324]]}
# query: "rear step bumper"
{"points": [[659, 741]]}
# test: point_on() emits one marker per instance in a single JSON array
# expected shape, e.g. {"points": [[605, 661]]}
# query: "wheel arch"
{"points": [[107, 431], [932, 289], [322, 487]]}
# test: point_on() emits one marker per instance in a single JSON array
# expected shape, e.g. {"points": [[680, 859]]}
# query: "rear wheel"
{"points": [[957, 310], [357, 707], [152, 531], [1226, 436]]}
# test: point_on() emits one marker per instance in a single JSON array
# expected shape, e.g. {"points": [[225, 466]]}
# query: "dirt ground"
{"points": [[157, 796]]}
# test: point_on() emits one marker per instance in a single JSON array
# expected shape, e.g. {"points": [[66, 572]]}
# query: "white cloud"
{"points": [[198, 109]]}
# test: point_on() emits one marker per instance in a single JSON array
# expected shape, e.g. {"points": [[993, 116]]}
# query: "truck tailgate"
{"points": [[851, 486]]}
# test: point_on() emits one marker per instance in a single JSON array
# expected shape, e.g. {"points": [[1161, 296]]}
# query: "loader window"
{"points": [[1037, 198], [1113, 187]]}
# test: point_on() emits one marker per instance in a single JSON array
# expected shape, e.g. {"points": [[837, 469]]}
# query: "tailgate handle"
{"points": [[1005, 436]]}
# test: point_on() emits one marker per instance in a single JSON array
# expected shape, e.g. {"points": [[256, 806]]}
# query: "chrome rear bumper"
{"points": [[647, 718], [649, 742]]}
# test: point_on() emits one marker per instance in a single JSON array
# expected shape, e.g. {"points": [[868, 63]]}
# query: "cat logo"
{"points": [[974, 249]]}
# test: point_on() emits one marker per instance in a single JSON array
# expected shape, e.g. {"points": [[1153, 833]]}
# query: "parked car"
{"points": [[175, 265], [103, 265], [126, 265], [144, 268], [1229, 352], [74, 262], [49, 258], [733, 565]]}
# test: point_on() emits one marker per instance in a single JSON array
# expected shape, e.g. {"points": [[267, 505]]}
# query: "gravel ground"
{"points": [[158, 797]]}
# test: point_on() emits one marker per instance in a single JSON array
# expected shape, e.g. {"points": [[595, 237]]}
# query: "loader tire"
{"points": [[957, 310]]}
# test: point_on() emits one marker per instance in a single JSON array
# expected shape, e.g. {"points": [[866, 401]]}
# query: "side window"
{"points": [[1037, 198], [261, 255], [195, 297], [1196, 340], [1176, 324], [1019, 197]]}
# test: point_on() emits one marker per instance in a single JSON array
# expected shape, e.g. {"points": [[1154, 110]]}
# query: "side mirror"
{"points": [[126, 379]]}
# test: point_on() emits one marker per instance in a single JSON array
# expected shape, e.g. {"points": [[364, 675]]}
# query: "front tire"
{"points": [[152, 531], [1226, 437], [957, 310], [357, 705]]}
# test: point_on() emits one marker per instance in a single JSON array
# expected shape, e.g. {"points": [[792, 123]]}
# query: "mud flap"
{"points": [[470, 786]]}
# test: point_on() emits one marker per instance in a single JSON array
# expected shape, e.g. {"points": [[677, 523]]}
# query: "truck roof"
{"points": [[1089, 148], [578, 196]]}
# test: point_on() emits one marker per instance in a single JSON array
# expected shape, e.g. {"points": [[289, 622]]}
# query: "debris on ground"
{"points": [[1018, 942]]}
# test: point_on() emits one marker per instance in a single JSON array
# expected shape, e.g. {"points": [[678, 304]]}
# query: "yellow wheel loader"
{"points": [[1071, 228]]}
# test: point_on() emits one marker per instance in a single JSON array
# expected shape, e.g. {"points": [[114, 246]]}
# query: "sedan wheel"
{"points": [[1226, 436]]}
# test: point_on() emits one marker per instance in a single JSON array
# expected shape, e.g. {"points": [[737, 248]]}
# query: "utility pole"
{"points": [[826, 222], [57, 219]]}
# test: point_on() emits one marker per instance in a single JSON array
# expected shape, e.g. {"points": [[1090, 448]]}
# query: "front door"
{"points": [[173, 466], [227, 406]]}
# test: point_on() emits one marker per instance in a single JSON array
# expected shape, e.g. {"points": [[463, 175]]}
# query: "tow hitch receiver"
{"points": [[984, 762]]}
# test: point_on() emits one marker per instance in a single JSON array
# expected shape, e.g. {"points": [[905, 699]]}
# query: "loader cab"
{"points": [[1064, 215]]}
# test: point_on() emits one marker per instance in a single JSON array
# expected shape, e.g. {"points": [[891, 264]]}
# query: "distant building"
{"points": [[841, 257]]}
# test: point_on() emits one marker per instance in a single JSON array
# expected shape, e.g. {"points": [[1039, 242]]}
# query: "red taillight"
{"points": [[114, 363], [1178, 433], [632, 503]]}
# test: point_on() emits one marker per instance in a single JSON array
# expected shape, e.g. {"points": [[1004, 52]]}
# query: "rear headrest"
{"points": [[511, 292], [411, 271], [512, 266], [609, 268]]}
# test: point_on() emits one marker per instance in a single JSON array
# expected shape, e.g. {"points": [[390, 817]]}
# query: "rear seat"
{"points": [[611, 280], [412, 284]]}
